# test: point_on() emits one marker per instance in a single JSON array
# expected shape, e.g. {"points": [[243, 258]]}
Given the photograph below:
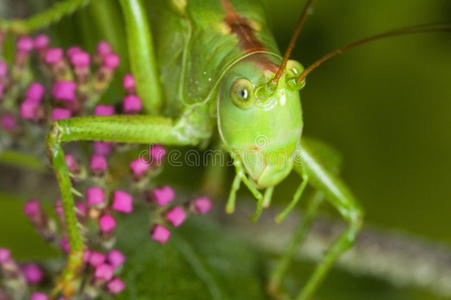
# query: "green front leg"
{"points": [[341, 198], [123, 129]]}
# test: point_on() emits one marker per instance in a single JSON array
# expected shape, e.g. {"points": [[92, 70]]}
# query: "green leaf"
{"points": [[200, 261]]}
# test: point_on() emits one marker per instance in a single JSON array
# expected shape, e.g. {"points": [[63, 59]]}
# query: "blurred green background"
{"points": [[385, 107]]}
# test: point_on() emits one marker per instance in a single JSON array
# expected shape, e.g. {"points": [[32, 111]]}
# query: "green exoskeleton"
{"points": [[202, 66]]}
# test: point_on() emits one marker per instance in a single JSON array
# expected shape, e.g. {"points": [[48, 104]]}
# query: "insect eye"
{"points": [[241, 93]]}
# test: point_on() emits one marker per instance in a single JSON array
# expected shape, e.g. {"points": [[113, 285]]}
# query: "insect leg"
{"points": [[342, 199], [261, 203], [124, 129], [297, 195], [283, 263], [230, 206]]}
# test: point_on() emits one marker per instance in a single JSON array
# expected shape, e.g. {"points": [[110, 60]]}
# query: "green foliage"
{"points": [[200, 261]]}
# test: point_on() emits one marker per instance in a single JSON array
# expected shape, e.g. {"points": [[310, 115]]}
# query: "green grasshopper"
{"points": [[218, 68]]}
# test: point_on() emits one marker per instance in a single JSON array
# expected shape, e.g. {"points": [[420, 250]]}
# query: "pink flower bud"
{"points": [[60, 114], [116, 286], [72, 50], [176, 216], [64, 90], [39, 296], [5, 255], [128, 82], [25, 44], [53, 56], [80, 59], [103, 148], [81, 209], [104, 48], [41, 41], [104, 272], [111, 61], [116, 258], [164, 195], [8, 122], [59, 208], [87, 256], [132, 104], [98, 163], [29, 109], [139, 166], [160, 234], [64, 244], [122, 202], [104, 110], [202, 205], [157, 153], [3, 69], [35, 92], [71, 163], [107, 223], [95, 196], [32, 208], [33, 273], [96, 258]]}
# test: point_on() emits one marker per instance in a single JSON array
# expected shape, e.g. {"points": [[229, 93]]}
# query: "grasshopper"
{"points": [[205, 66]]}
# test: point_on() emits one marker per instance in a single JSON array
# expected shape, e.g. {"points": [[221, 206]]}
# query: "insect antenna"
{"points": [[430, 27], [305, 11]]}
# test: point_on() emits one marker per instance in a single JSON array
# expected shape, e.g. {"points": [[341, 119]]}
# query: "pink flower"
{"points": [[122, 201], [96, 258], [81, 209], [111, 61], [139, 166], [53, 56], [32, 208], [25, 44], [128, 82], [202, 205], [176, 216], [35, 92], [33, 273], [103, 148], [29, 109], [5, 255], [87, 256], [104, 272], [64, 90], [160, 234], [3, 69], [59, 208], [41, 41], [60, 114], [104, 48], [157, 153], [8, 122], [132, 104], [104, 110], [116, 258], [39, 296], [98, 163], [107, 223], [164, 195], [64, 244], [72, 164], [95, 196], [116, 286], [80, 59], [72, 50]]}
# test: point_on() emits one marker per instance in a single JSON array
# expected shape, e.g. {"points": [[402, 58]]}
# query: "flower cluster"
{"points": [[72, 83]]}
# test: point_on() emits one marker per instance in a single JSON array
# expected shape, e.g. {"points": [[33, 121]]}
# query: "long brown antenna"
{"points": [[294, 37], [431, 27]]}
